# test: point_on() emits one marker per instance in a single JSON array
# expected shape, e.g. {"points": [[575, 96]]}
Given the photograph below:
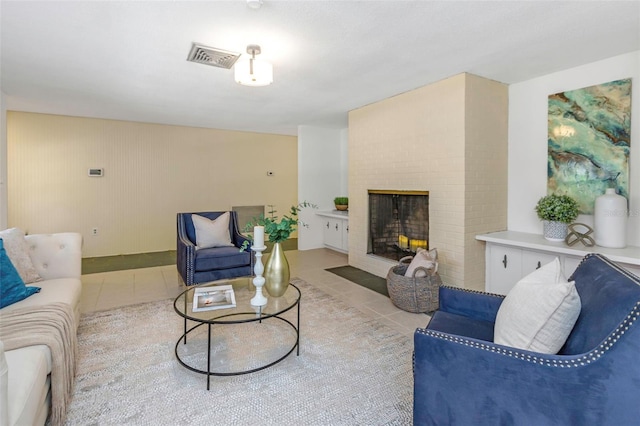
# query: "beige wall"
{"points": [[486, 120], [448, 138], [151, 173]]}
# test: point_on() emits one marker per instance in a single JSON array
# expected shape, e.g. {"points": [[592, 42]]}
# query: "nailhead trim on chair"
{"points": [[190, 265], [190, 254], [610, 263], [466, 290], [543, 359]]}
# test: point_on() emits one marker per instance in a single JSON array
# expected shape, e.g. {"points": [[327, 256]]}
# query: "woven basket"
{"points": [[413, 294]]}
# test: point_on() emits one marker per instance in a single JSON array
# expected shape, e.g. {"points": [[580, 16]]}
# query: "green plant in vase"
{"points": [[276, 271], [277, 229], [556, 212]]}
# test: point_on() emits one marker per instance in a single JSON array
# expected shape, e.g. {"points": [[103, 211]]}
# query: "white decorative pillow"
{"points": [[212, 233], [424, 258], [17, 249], [539, 312]]}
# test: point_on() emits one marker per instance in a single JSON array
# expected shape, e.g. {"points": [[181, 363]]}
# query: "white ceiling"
{"points": [[127, 60]]}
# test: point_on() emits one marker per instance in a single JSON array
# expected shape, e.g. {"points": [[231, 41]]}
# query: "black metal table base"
{"points": [[208, 372]]}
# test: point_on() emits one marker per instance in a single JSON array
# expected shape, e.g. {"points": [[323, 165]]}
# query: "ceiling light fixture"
{"points": [[252, 72]]}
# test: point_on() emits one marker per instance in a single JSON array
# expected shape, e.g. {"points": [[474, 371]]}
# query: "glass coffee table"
{"points": [[241, 339]]}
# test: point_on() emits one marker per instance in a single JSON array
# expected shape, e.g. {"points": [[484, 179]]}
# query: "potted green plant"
{"points": [[276, 271], [556, 213], [277, 229], [342, 203]]}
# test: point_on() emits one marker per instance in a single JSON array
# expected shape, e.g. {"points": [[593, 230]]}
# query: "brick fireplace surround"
{"points": [[449, 137]]}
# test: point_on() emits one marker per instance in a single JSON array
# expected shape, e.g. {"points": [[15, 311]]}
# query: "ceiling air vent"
{"points": [[211, 56]]}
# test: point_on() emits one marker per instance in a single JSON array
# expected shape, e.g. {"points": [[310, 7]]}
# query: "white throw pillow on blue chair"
{"points": [[212, 233], [539, 312]]}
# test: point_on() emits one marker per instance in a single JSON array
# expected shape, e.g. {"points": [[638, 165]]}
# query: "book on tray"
{"points": [[217, 297]]}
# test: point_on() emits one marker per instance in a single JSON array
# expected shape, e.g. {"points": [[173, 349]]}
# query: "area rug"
{"points": [[363, 278], [352, 370]]}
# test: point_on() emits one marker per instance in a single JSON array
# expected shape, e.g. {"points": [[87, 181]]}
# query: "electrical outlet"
{"points": [[94, 231]]}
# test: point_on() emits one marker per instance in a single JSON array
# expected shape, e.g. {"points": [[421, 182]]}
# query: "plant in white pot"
{"points": [[556, 213]]}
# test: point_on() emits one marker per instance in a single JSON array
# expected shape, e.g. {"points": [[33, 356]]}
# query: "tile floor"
{"points": [[106, 290]]}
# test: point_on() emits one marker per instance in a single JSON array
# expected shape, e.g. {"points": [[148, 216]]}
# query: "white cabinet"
{"points": [[506, 265], [511, 255], [335, 228], [570, 263], [333, 232]]}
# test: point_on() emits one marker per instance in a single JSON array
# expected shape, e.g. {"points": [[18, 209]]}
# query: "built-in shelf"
{"points": [[336, 214], [629, 254], [512, 255]]}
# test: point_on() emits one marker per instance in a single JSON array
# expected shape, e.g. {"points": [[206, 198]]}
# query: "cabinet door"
{"points": [[532, 260], [345, 235], [333, 233], [570, 265], [504, 269]]}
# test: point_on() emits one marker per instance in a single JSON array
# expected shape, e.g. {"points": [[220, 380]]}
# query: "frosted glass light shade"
{"points": [[262, 72]]}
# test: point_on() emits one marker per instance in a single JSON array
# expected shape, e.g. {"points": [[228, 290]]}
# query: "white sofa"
{"points": [[25, 372]]}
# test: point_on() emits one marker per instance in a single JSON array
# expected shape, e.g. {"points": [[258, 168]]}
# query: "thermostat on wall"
{"points": [[96, 172]]}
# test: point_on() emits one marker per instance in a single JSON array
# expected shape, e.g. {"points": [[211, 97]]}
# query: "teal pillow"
{"points": [[12, 288]]}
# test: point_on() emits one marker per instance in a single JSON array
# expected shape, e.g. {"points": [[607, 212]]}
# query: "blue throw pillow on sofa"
{"points": [[12, 288]]}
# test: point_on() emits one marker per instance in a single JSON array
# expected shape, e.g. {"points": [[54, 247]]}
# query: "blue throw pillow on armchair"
{"points": [[12, 288]]}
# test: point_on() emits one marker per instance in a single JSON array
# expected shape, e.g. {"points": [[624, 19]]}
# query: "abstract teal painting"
{"points": [[588, 142]]}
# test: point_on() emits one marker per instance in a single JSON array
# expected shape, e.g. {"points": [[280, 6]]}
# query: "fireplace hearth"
{"points": [[398, 222]]}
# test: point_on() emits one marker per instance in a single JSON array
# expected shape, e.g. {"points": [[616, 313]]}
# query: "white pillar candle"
{"points": [[258, 236]]}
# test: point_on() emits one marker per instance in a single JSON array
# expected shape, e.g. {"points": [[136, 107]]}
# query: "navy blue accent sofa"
{"points": [[210, 264], [462, 378]]}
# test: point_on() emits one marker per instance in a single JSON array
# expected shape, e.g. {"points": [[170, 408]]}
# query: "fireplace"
{"points": [[398, 223]]}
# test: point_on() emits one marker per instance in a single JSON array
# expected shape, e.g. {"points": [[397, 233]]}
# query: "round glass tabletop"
{"points": [[213, 307]]}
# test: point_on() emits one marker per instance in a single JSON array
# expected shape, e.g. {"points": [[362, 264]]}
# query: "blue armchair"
{"points": [[462, 378], [210, 264]]}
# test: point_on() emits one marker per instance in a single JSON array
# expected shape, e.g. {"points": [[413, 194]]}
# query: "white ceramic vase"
{"points": [[610, 220]]}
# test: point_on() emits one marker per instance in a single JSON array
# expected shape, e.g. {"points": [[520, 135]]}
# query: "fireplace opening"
{"points": [[398, 223]]}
